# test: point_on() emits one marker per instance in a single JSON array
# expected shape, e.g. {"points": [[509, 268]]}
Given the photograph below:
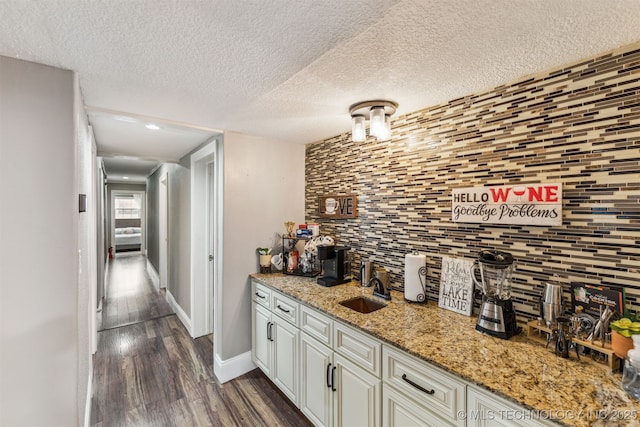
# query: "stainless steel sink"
{"points": [[362, 304]]}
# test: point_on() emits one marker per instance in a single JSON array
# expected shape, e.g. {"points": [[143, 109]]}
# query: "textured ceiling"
{"points": [[289, 69], [128, 170]]}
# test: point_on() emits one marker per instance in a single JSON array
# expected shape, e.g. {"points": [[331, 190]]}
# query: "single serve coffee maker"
{"points": [[497, 316], [336, 265]]}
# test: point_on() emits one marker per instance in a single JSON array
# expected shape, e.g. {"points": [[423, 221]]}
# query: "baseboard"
{"points": [[226, 370], [153, 275], [179, 311], [87, 405]]}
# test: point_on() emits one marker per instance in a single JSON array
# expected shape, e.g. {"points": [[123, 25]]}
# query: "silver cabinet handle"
{"points": [[270, 331]]}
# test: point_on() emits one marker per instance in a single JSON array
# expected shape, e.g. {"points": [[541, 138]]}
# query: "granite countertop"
{"points": [[570, 392]]}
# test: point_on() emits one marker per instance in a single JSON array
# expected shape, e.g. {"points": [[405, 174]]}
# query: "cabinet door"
{"points": [[284, 372], [261, 322], [316, 397], [357, 397], [484, 409], [398, 411]]}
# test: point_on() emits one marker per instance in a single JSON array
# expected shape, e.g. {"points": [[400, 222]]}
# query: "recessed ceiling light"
{"points": [[125, 177], [152, 126]]}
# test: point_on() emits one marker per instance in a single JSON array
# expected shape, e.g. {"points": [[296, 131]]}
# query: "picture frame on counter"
{"points": [[456, 285], [338, 207]]}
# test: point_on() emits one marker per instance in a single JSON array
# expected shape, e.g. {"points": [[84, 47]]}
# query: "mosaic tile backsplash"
{"points": [[578, 125]]}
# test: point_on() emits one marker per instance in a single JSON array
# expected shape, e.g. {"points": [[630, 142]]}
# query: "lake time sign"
{"points": [[518, 204]]}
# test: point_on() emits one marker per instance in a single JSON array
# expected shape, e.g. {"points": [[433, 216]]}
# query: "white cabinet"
{"points": [[336, 390], [358, 347], [413, 386], [485, 409], [316, 394], [357, 395], [284, 372], [261, 338], [275, 339], [339, 376]]}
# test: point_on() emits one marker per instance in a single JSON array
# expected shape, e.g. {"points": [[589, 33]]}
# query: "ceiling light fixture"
{"points": [[152, 126], [378, 113]]}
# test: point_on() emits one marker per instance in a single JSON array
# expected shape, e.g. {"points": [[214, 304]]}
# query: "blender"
{"points": [[497, 316]]}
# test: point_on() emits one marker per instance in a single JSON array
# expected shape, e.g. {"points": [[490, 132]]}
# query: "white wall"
{"points": [[263, 188], [39, 344]]}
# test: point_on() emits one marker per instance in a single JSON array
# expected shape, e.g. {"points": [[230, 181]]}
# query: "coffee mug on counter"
{"points": [[276, 261]]}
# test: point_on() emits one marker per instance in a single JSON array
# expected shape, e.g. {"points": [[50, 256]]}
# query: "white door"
{"points": [[357, 396], [203, 224], [211, 243], [316, 397], [164, 220], [284, 372]]}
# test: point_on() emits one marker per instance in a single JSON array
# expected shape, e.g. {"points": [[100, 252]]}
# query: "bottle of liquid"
{"points": [[631, 374]]}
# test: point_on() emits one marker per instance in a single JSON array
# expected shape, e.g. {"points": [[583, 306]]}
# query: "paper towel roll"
{"points": [[415, 277]]}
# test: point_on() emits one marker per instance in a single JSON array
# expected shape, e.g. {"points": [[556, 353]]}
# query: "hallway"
{"points": [[149, 372]]}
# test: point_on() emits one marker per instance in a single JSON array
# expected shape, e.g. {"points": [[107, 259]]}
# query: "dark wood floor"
{"points": [[149, 372], [131, 297]]}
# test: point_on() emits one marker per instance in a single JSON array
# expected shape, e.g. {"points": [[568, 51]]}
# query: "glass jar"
{"points": [[631, 380]]}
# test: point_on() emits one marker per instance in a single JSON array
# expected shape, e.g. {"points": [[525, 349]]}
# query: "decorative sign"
{"points": [[456, 286], [338, 206], [520, 204]]}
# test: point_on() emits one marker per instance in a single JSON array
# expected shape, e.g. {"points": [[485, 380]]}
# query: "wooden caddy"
{"points": [[613, 361]]}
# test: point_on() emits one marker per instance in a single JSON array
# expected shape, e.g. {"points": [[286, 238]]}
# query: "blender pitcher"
{"points": [[497, 316], [495, 269]]}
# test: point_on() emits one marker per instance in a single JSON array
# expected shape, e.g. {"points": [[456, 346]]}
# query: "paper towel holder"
{"points": [[415, 288]]}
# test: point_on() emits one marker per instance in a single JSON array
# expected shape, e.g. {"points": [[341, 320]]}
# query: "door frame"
{"points": [[163, 229], [203, 295], [143, 213]]}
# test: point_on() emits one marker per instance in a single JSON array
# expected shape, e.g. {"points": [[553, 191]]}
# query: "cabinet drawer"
{"points": [[357, 347], [285, 308], [316, 325], [398, 411], [486, 409], [429, 387], [261, 294]]}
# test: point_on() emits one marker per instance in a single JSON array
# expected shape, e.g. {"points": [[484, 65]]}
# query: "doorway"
{"points": [[128, 221], [203, 239]]}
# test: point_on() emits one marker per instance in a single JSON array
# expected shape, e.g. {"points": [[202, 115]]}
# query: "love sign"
{"points": [[338, 206]]}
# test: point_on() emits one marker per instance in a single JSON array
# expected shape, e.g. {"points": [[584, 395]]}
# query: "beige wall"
{"points": [[87, 251], [263, 188], [39, 330], [179, 232]]}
